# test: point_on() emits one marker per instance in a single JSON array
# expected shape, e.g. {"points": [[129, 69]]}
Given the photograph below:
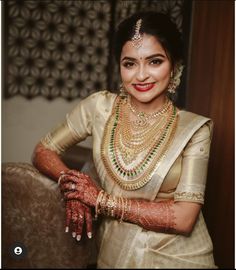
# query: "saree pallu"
{"points": [[126, 245]]}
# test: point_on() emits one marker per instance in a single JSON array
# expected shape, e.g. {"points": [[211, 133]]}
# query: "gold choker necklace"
{"points": [[143, 117]]}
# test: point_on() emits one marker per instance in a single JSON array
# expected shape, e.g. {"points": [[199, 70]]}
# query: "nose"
{"points": [[142, 74]]}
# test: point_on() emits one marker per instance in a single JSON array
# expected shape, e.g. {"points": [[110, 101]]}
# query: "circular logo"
{"points": [[18, 250]]}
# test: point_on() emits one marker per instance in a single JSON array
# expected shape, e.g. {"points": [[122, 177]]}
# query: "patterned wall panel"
{"points": [[63, 48]]}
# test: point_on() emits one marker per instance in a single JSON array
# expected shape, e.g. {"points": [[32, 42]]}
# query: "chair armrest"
{"points": [[34, 215]]}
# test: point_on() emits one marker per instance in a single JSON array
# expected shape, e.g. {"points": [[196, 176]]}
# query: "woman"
{"points": [[150, 156]]}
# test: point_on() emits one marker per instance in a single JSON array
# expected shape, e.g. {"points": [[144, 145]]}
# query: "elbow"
{"points": [[186, 231], [35, 155], [186, 228], [187, 217]]}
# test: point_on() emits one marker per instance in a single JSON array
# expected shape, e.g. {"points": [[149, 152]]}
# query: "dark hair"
{"points": [[153, 23]]}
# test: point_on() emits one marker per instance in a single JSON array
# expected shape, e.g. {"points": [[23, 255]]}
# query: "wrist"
{"points": [[117, 207]]}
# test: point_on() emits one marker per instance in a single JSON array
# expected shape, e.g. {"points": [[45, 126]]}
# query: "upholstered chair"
{"points": [[33, 215]]}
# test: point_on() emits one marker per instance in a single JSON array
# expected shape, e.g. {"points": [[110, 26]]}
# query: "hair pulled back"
{"points": [[156, 24]]}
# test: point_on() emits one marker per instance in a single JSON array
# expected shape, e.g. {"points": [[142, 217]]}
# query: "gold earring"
{"points": [[175, 80], [123, 93], [171, 88]]}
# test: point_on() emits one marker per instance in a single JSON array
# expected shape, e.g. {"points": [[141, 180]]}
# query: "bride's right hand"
{"points": [[78, 215]]}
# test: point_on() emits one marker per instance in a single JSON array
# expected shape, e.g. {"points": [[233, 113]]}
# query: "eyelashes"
{"points": [[127, 64], [153, 62], [156, 61]]}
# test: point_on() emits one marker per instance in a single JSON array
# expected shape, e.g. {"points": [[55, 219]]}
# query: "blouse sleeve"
{"points": [[193, 177], [76, 127]]}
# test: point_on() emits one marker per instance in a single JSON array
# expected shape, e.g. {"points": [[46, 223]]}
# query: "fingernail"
{"points": [[74, 234], [78, 237], [67, 229], [89, 235]]}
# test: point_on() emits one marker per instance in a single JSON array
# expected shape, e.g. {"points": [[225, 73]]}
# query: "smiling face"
{"points": [[145, 73]]}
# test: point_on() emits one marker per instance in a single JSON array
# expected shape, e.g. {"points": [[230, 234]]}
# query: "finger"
{"points": [[68, 178], [68, 186], [88, 218], [68, 215], [72, 195], [74, 218], [78, 175], [73, 172], [80, 225]]}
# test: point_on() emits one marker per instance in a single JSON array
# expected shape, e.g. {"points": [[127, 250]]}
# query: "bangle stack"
{"points": [[117, 207]]}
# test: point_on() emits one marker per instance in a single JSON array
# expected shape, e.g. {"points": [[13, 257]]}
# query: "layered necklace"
{"points": [[134, 142]]}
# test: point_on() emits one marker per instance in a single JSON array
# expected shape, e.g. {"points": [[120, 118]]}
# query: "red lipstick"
{"points": [[143, 87]]}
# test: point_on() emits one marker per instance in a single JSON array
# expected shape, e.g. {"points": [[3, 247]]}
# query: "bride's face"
{"points": [[145, 71]]}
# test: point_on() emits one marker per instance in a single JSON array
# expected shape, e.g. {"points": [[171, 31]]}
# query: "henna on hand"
{"points": [[77, 214], [155, 216], [79, 186], [48, 162]]}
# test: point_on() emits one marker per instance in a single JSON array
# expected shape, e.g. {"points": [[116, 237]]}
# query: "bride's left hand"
{"points": [[79, 186]]}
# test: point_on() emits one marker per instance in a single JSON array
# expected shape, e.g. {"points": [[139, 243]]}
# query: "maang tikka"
{"points": [[137, 38]]}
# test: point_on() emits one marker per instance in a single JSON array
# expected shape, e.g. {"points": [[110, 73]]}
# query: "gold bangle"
{"points": [[110, 205], [113, 207], [98, 201], [122, 208], [103, 203], [127, 208]]}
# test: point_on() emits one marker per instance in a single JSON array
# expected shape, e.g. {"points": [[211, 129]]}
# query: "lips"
{"points": [[143, 87]]}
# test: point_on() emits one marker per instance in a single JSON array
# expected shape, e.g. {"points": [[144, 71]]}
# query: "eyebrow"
{"points": [[147, 58]]}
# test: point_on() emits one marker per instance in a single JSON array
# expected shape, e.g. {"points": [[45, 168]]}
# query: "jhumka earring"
{"points": [[137, 38], [175, 79], [123, 93]]}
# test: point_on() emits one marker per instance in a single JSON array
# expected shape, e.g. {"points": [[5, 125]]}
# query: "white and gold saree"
{"points": [[181, 175]]}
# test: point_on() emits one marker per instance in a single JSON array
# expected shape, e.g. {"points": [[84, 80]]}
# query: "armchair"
{"points": [[33, 214]]}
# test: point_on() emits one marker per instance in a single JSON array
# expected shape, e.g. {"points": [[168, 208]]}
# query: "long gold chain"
{"points": [[142, 138], [131, 163]]}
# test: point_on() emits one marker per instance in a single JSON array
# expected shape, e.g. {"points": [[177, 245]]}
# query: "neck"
{"points": [[151, 106]]}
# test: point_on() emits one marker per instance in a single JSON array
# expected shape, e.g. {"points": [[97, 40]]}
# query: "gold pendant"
{"points": [[127, 156], [141, 122]]}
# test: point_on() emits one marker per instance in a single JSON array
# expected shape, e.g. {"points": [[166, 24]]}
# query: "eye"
{"points": [[156, 61], [128, 64]]}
